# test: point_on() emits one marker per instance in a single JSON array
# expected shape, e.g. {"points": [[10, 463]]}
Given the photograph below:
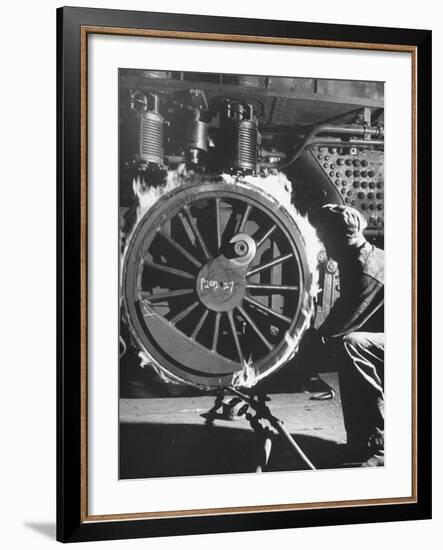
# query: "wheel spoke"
{"points": [[270, 264], [186, 228], [217, 223], [255, 328], [165, 295], [266, 236], [170, 270], [274, 289], [180, 248], [196, 231], [199, 325], [244, 218], [216, 331], [235, 336], [231, 224], [268, 310], [183, 313]]}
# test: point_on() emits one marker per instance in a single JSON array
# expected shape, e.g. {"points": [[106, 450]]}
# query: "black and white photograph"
{"points": [[251, 274]]}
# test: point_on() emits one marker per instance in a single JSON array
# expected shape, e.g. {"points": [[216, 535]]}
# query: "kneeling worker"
{"points": [[354, 328]]}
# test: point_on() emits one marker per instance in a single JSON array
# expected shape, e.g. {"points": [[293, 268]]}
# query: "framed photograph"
{"points": [[238, 201]]}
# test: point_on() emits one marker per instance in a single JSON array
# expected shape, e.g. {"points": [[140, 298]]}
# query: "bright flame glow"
{"points": [[246, 377]]}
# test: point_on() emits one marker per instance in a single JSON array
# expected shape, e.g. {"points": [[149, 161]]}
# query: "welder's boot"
{"points": [[377, 447], [377, 459]]}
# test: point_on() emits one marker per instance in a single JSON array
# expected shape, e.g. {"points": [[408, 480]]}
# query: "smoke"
{"points": [[147, 195]]}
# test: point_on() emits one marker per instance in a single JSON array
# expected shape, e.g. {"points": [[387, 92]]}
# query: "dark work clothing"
{"points": [[360, 306], [355, 330], [361, 386]]}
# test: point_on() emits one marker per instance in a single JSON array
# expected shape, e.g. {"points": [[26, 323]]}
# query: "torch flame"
{"points": [[246, 377]]}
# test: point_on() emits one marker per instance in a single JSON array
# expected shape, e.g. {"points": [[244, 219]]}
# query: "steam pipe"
{"points": [[328, 129], [354, 131], [352, 142]]}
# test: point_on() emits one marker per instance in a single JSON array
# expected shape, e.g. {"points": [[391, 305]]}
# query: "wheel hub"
{"points": [[221, 284]]}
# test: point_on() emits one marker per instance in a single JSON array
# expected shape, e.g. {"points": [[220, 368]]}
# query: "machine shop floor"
{"points": [[168, 436]]}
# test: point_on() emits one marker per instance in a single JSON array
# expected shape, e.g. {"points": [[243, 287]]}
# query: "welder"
{"points": [[354, 329]]}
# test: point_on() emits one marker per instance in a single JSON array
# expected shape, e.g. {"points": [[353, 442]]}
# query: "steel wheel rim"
{"points": [[138, 301]]}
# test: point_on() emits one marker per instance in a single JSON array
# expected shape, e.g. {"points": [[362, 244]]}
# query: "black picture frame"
{"points": [[73, 523]]}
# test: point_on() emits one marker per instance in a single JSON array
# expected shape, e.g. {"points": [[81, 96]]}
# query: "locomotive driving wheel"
{"points": [[215, 276]]}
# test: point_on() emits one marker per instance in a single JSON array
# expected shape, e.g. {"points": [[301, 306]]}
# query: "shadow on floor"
{"points": [[159, 450], [44, 528]]}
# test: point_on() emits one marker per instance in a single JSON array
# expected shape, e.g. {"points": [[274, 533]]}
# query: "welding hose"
{"points": [[277, 425]]}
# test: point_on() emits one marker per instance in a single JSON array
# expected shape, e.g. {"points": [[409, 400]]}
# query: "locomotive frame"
{"points": [[74, 523]]}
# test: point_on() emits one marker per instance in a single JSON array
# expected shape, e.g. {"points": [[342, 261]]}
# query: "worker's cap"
{"points": [[339, 219]]}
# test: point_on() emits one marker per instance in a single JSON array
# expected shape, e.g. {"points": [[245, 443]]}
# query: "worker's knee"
{"points": [[355, 340], [364, 343]]}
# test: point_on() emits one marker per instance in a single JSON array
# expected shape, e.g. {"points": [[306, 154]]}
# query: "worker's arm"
{"points": [[358, 302]]}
